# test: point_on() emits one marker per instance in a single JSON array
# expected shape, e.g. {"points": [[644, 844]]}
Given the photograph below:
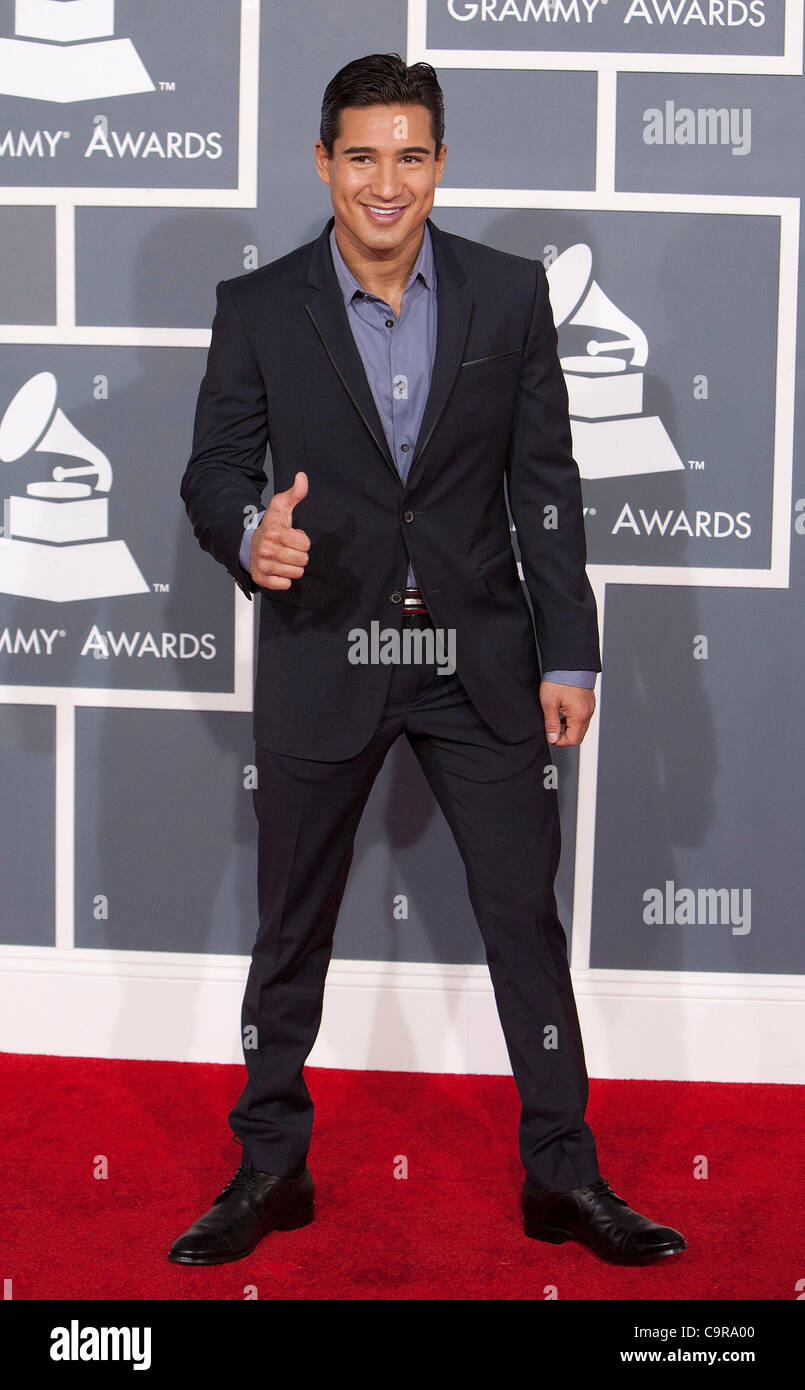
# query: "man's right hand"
{"points": [[278, 552]]}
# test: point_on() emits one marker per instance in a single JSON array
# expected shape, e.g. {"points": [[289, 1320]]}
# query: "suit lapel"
{"points": [[455, 304], [327, 311], [325, 307]]}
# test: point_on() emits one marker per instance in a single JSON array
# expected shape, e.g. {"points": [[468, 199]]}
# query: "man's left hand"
{"points": [[568, 710]]}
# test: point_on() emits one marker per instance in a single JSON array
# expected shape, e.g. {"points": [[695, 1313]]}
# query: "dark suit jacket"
{"points": [[283, 369]]}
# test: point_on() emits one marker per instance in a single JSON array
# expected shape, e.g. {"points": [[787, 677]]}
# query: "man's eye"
{"points": [[359, 158]]}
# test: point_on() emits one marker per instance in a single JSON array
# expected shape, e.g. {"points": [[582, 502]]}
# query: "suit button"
{"points": [[408, 516], [396, 597]]}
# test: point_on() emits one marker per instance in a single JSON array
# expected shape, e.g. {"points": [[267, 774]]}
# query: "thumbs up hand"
{"points": [[279, 552]]}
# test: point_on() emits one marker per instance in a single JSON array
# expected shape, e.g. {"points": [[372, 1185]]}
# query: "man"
{"points": [[414, 374]]}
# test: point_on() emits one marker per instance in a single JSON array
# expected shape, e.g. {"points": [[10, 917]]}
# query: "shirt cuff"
{"points": [[245, 545], [583, 678]]}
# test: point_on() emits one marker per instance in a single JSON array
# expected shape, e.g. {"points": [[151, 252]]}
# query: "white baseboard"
{"points": [[399, 1016]]}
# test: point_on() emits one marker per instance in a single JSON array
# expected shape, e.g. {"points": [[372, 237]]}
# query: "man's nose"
{"points": [[387, 182]]}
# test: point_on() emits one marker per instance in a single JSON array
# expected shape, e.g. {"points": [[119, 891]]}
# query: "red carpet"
{"points": [[451, 1230]]}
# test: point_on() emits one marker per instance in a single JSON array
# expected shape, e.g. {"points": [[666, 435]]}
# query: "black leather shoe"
{"points": [[252, 1204], [600, 1219]]}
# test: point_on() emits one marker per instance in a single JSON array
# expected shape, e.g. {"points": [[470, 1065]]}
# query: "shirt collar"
{"points": [[423, 267]]}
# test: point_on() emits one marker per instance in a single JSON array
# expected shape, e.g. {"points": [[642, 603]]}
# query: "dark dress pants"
{"points": [[506, 826]]}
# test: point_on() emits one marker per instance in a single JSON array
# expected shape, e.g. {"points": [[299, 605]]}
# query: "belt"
{"points": [[414, 602]]}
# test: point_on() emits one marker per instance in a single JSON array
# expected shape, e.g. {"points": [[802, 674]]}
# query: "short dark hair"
{"points": [[381, 79]]}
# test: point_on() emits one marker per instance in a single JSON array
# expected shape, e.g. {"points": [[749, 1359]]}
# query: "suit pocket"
{"points": [[500, 571], [305, 592], [496, 358]]}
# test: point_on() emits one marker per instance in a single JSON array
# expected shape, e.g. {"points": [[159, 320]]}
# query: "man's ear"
{"points": [[322, 162], [440, 158]]}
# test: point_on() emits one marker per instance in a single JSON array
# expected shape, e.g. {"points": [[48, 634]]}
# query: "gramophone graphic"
{"points": [[611, 436], [64, 51], [55, 537]]}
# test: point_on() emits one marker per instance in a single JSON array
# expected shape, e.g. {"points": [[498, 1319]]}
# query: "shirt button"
{"points": [[396, 597], [408, 516], [389, 323], [404, 448]]}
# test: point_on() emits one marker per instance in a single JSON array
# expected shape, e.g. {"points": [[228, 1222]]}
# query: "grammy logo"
{"points": [[56, 545], [611, 435], [64, 51]]}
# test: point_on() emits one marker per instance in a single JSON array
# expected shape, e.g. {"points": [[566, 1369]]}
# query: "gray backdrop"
{"points": [[700, 763]]}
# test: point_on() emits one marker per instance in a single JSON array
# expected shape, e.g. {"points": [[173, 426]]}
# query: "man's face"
{"points": [[382, 176]]}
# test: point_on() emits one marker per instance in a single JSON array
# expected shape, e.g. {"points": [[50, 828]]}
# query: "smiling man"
{"points": [[406, 381]]}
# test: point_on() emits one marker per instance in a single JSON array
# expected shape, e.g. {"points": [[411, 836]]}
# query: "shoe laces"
{"points": [[244, 1178], [601, 1185]]}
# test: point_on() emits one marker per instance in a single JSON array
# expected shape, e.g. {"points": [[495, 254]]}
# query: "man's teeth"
{"points": [[384, 212]]}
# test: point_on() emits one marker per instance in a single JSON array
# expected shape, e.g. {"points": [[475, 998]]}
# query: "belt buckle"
{"points": [[413, 602]]}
